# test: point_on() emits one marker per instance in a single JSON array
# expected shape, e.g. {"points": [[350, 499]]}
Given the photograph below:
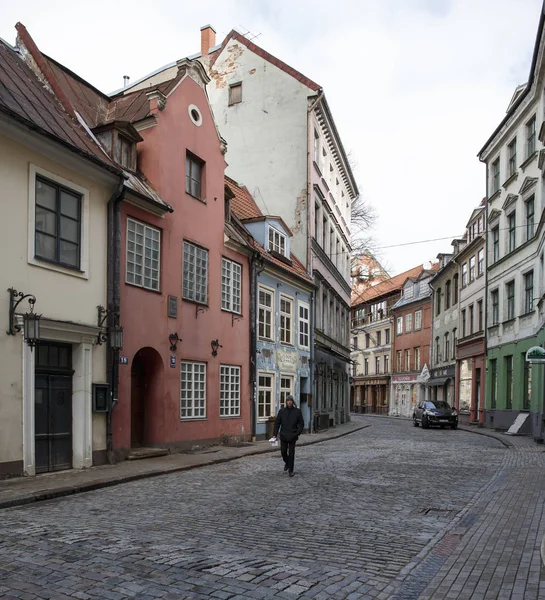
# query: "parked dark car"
{"points": [[436, 412]]}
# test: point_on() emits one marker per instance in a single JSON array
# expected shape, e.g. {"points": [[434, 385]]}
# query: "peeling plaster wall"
{"points": [[268, 128]]}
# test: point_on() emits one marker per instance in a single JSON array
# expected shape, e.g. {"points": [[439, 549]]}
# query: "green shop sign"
{"points": [[535, 355]]}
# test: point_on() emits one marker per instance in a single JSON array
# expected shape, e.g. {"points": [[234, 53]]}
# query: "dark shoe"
{"points": [[291, 473], [286, 467]]}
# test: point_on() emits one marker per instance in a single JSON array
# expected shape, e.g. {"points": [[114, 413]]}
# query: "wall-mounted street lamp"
{"points": [[215, 345], [174, 339], [113, 333], [31, 321]]}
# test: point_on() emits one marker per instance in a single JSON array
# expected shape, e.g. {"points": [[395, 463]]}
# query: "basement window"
{"points": [[235, 93]]}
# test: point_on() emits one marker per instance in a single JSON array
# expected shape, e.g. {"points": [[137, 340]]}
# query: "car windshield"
{"points": [[437, 404]]}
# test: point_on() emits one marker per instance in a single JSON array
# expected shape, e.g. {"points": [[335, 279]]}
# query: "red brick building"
{"points": [[412, 337]]}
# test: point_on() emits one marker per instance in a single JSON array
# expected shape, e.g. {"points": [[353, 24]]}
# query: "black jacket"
{"points": [[290, 423]]}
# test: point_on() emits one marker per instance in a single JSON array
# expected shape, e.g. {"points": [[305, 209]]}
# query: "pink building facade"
{"points": [[184, 285]]}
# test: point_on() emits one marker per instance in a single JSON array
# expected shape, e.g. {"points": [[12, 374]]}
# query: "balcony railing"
{"points": [[380, 315]]}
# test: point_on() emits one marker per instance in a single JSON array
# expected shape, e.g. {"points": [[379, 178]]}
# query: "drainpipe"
{"points": [[311, 366], [486, 248], [114, 290], [309, 254], [254, 272]]}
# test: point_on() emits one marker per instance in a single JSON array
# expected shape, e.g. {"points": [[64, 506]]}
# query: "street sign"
{"points": [[535, 355], [425, 374]]}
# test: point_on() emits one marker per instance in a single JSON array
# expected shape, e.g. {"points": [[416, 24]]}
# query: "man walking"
{"points": [[290, 423]]}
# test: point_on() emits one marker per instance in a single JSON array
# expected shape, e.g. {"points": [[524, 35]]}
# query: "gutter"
{"points": [[114, 292], [254, 272]]}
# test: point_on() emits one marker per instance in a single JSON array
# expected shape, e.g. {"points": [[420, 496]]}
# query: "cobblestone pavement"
{"points": [[390, 511]]}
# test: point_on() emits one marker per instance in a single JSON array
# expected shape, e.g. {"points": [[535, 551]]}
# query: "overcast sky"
{"points": [[415, 86]]}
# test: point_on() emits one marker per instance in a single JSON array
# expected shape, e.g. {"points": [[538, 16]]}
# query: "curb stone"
{"points": [[70, 490]]}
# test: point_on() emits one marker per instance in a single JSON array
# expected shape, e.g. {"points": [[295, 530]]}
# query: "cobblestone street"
{"points": [[390, 511]]}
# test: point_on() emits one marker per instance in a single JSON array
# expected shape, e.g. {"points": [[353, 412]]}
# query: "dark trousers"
{"points": [[288, 453]]}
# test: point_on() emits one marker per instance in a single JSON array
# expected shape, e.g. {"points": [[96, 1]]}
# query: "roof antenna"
{"points": [[126, 80], [248, 34]]}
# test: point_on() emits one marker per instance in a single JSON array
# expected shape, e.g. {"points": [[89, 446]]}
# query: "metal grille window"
{"points": [[58, 224], [193, 176], [265, 396], [531, 137], [495, 302], [510, 292], [418, 320], [143, 248], [512, 158], [286, 388], [512, 223], [530, 218], [286, 320], [195, 273], [277, 241], [529, 292], [192, 390], [229, 391], [304, 325], [265, 316], [230, 285]]}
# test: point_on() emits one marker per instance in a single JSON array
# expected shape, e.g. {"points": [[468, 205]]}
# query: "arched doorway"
{"points": [[146, 396]]}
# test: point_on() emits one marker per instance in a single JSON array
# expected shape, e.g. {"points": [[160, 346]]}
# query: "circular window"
{"points": [[195, 115]]}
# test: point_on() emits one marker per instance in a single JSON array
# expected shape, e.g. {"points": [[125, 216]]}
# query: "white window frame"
{"points": [[229, 391], [285, 391], [417, 320], [193, 411], [303, 324], [399, 326], [141, 283], [83, 272], [408, 323], [278, 243], [189, 293], [283, 317], [272, 389], [267, 309], [231, 286]]}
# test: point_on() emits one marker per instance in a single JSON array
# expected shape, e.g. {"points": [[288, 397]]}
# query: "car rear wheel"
{"points": [[425, 422], [415, 422]]}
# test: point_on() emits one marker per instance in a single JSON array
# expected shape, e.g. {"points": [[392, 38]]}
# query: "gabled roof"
{"points": [[520, 94], [243, 204], [24, 98], [234, 35], [394, 284]]}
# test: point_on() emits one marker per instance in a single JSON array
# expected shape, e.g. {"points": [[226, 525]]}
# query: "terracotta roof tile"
{"points": [[244, 207], [390, 285]]}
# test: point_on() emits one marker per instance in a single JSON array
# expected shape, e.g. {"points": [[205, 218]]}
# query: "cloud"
{"points": [[416, 86]]}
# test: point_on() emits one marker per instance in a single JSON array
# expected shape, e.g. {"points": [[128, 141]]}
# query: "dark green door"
{"points": [[53, 408]]}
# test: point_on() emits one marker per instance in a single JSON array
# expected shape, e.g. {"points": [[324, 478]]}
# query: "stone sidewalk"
{"points": [[25, 490]]}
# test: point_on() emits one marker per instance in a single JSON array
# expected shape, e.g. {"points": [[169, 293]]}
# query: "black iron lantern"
{"points": [[215, 345], [116, 337], [31, 321], [114, 333]]}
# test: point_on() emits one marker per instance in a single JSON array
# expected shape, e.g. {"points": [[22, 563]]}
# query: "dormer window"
{"points": [[119, 139], [277, 241]]}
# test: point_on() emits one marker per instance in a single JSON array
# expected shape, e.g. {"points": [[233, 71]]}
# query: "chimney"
{"points": [[126, 80], [208, 39]]}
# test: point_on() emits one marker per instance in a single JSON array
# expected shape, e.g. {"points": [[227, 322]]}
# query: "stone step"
{"points": [[139, 453]]}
